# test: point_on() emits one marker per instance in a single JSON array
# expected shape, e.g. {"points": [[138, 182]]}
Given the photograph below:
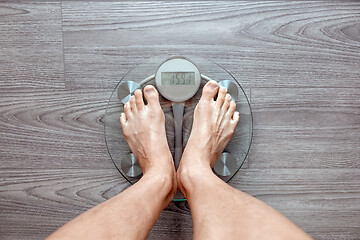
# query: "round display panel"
{"points": [[177, 79]]}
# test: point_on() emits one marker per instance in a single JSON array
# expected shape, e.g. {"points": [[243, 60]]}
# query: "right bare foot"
{"points": [[213, 127]]}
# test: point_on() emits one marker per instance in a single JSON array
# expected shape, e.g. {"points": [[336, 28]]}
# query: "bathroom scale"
{"points": [[179, 81]]}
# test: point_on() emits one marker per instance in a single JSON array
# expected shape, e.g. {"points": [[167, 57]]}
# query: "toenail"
{"points": [[149, 90], [213, 84]]}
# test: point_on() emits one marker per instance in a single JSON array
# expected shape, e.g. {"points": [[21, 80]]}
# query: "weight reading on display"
{"points": [[178, 78]]}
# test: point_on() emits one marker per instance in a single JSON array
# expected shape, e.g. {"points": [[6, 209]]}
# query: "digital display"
{"points": [[177, 78]]}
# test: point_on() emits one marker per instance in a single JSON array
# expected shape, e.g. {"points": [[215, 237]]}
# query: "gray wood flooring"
{"points": [[299, 61]]}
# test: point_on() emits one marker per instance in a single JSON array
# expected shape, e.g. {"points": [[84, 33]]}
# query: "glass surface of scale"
{"points": [[239, 145]]}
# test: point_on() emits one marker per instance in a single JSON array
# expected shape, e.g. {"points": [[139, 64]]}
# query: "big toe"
{"points": [[151, 95], [210, 90]]}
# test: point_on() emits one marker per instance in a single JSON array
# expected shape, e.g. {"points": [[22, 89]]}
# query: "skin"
{"points": [[219, 211]]}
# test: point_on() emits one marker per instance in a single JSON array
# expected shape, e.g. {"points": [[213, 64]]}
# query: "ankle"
{"points": [[162, 165], [165, 181], [188, 177]]}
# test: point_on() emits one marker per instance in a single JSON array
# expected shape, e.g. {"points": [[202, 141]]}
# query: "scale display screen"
{"points": [[177, 78]]}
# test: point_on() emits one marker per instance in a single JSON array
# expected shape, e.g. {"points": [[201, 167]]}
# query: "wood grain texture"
{"points": [[308, 127], [264, 44], [298, 61], [49, 129], [31, 46]]}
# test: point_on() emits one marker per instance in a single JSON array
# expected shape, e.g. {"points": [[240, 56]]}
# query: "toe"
{"points": [[151, 95], [221, 97], [133, 104], [139, 99], [127, 110], [123, 119], [226, 104], [231, 110], [235, 118], [209, 91]]}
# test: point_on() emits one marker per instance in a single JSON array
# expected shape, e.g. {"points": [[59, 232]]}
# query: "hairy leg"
{"points": [[132, 213], [220, 211]]}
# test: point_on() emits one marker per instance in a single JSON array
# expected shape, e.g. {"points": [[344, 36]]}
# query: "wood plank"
{"points": [[31, 46], [305, 128], [264, 44]]}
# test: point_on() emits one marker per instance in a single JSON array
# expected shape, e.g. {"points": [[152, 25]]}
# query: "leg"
{"points": [[132, 213], [220, 211]]}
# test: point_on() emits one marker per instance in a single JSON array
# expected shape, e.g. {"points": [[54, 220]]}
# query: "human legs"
{"points": [[132, 213], [220, 211]]}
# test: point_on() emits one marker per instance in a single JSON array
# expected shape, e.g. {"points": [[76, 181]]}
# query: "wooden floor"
{"points": [[299, 61]]}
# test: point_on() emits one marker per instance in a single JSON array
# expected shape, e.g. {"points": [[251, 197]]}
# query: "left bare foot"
{"points": [[144, 130]]}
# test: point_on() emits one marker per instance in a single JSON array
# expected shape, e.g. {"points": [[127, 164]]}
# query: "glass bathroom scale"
{"points": [[175, 77]]}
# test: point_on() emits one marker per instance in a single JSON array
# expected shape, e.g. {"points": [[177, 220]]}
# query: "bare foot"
{"points": [[213, 127], [144, 130]]}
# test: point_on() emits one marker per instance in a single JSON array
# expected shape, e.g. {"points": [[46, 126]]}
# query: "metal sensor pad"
{"points": [[225, 165], [177, 79], [126, 89], [231, 88], [130, 166]]}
